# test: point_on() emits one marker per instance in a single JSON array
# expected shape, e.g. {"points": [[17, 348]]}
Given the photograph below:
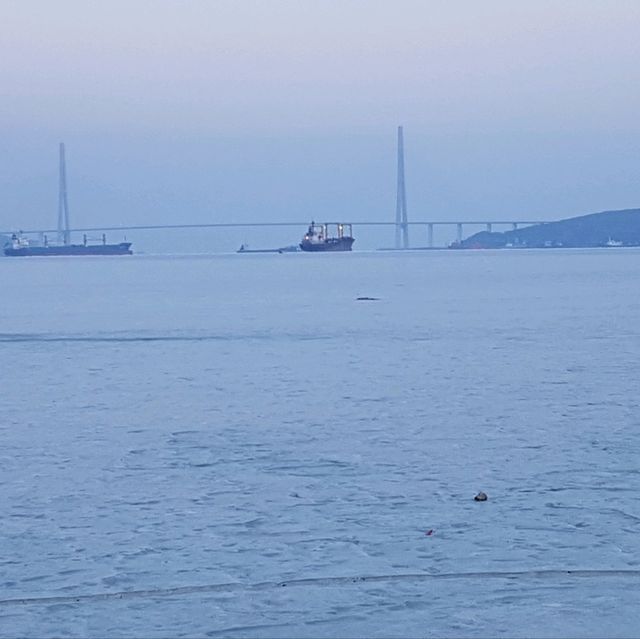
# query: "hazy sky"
{"points": [[204, 110]]}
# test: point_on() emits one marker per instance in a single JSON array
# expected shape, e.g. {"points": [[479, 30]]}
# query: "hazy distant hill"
{"points": [[595, 229]]}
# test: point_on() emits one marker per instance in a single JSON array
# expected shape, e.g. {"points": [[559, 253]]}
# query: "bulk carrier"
{"points": [[20, 246]]}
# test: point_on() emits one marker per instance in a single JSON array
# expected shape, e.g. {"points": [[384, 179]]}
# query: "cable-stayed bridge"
{"points": [[401, 224], [427, 226]]}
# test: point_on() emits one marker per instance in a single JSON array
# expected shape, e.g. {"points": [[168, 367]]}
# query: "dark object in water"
{"points": [[481, 497], [367, 299]]}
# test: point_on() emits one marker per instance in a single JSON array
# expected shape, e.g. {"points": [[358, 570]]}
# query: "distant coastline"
{"points": [[606, 229], [611, 229]]}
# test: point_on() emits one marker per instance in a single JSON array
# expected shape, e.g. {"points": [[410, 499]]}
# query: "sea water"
{"points": [[236, 445]]}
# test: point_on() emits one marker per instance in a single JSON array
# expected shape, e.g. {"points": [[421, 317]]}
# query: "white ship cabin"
{"points": [[19, 242]]}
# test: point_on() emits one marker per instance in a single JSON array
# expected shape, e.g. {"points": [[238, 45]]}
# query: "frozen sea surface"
{"points": [[236, 446]]}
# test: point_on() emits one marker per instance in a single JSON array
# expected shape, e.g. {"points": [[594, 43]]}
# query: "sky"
{"points": [[246, 110]]}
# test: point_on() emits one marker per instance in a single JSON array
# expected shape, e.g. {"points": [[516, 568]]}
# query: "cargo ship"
{"points": [[330, 236], [21, 247]]}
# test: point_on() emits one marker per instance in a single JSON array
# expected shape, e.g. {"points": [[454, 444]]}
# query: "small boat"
{"points": [[244, 248], [330, 236]]}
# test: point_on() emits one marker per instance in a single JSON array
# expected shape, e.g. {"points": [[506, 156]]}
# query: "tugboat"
{"points": [[330, 236]]}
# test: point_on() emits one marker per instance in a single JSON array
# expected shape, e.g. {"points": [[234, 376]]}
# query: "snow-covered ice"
{"points": [[246, 430]]}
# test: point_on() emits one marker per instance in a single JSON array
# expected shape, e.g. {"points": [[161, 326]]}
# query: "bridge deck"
{"points": [[151, 227]]}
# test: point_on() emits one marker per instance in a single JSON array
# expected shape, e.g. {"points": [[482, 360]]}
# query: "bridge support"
{"points": [[64, 232], [515, 226], [459, 237], [430, 235], [402, 227], [489, 227]]}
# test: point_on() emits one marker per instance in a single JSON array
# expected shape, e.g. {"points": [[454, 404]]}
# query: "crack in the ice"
{"points": [[315, 581]]}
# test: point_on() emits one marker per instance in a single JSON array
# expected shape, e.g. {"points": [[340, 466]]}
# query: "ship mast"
{"points": [[402, 226], [64, 233]]}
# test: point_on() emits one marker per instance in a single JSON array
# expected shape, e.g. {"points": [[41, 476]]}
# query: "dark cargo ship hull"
{"points": [[331, 244], [124, 248]]}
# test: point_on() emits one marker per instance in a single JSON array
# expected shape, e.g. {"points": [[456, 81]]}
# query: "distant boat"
{"points": [[334, 236], [611, 242], [244, 248], [21, 247]]}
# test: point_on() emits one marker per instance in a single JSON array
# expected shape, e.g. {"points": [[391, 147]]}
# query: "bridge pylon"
{"points": [[402, 225], [64, 232]]}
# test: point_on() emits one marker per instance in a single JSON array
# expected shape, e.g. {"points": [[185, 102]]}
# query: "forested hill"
{"points": [[596, 229]]}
